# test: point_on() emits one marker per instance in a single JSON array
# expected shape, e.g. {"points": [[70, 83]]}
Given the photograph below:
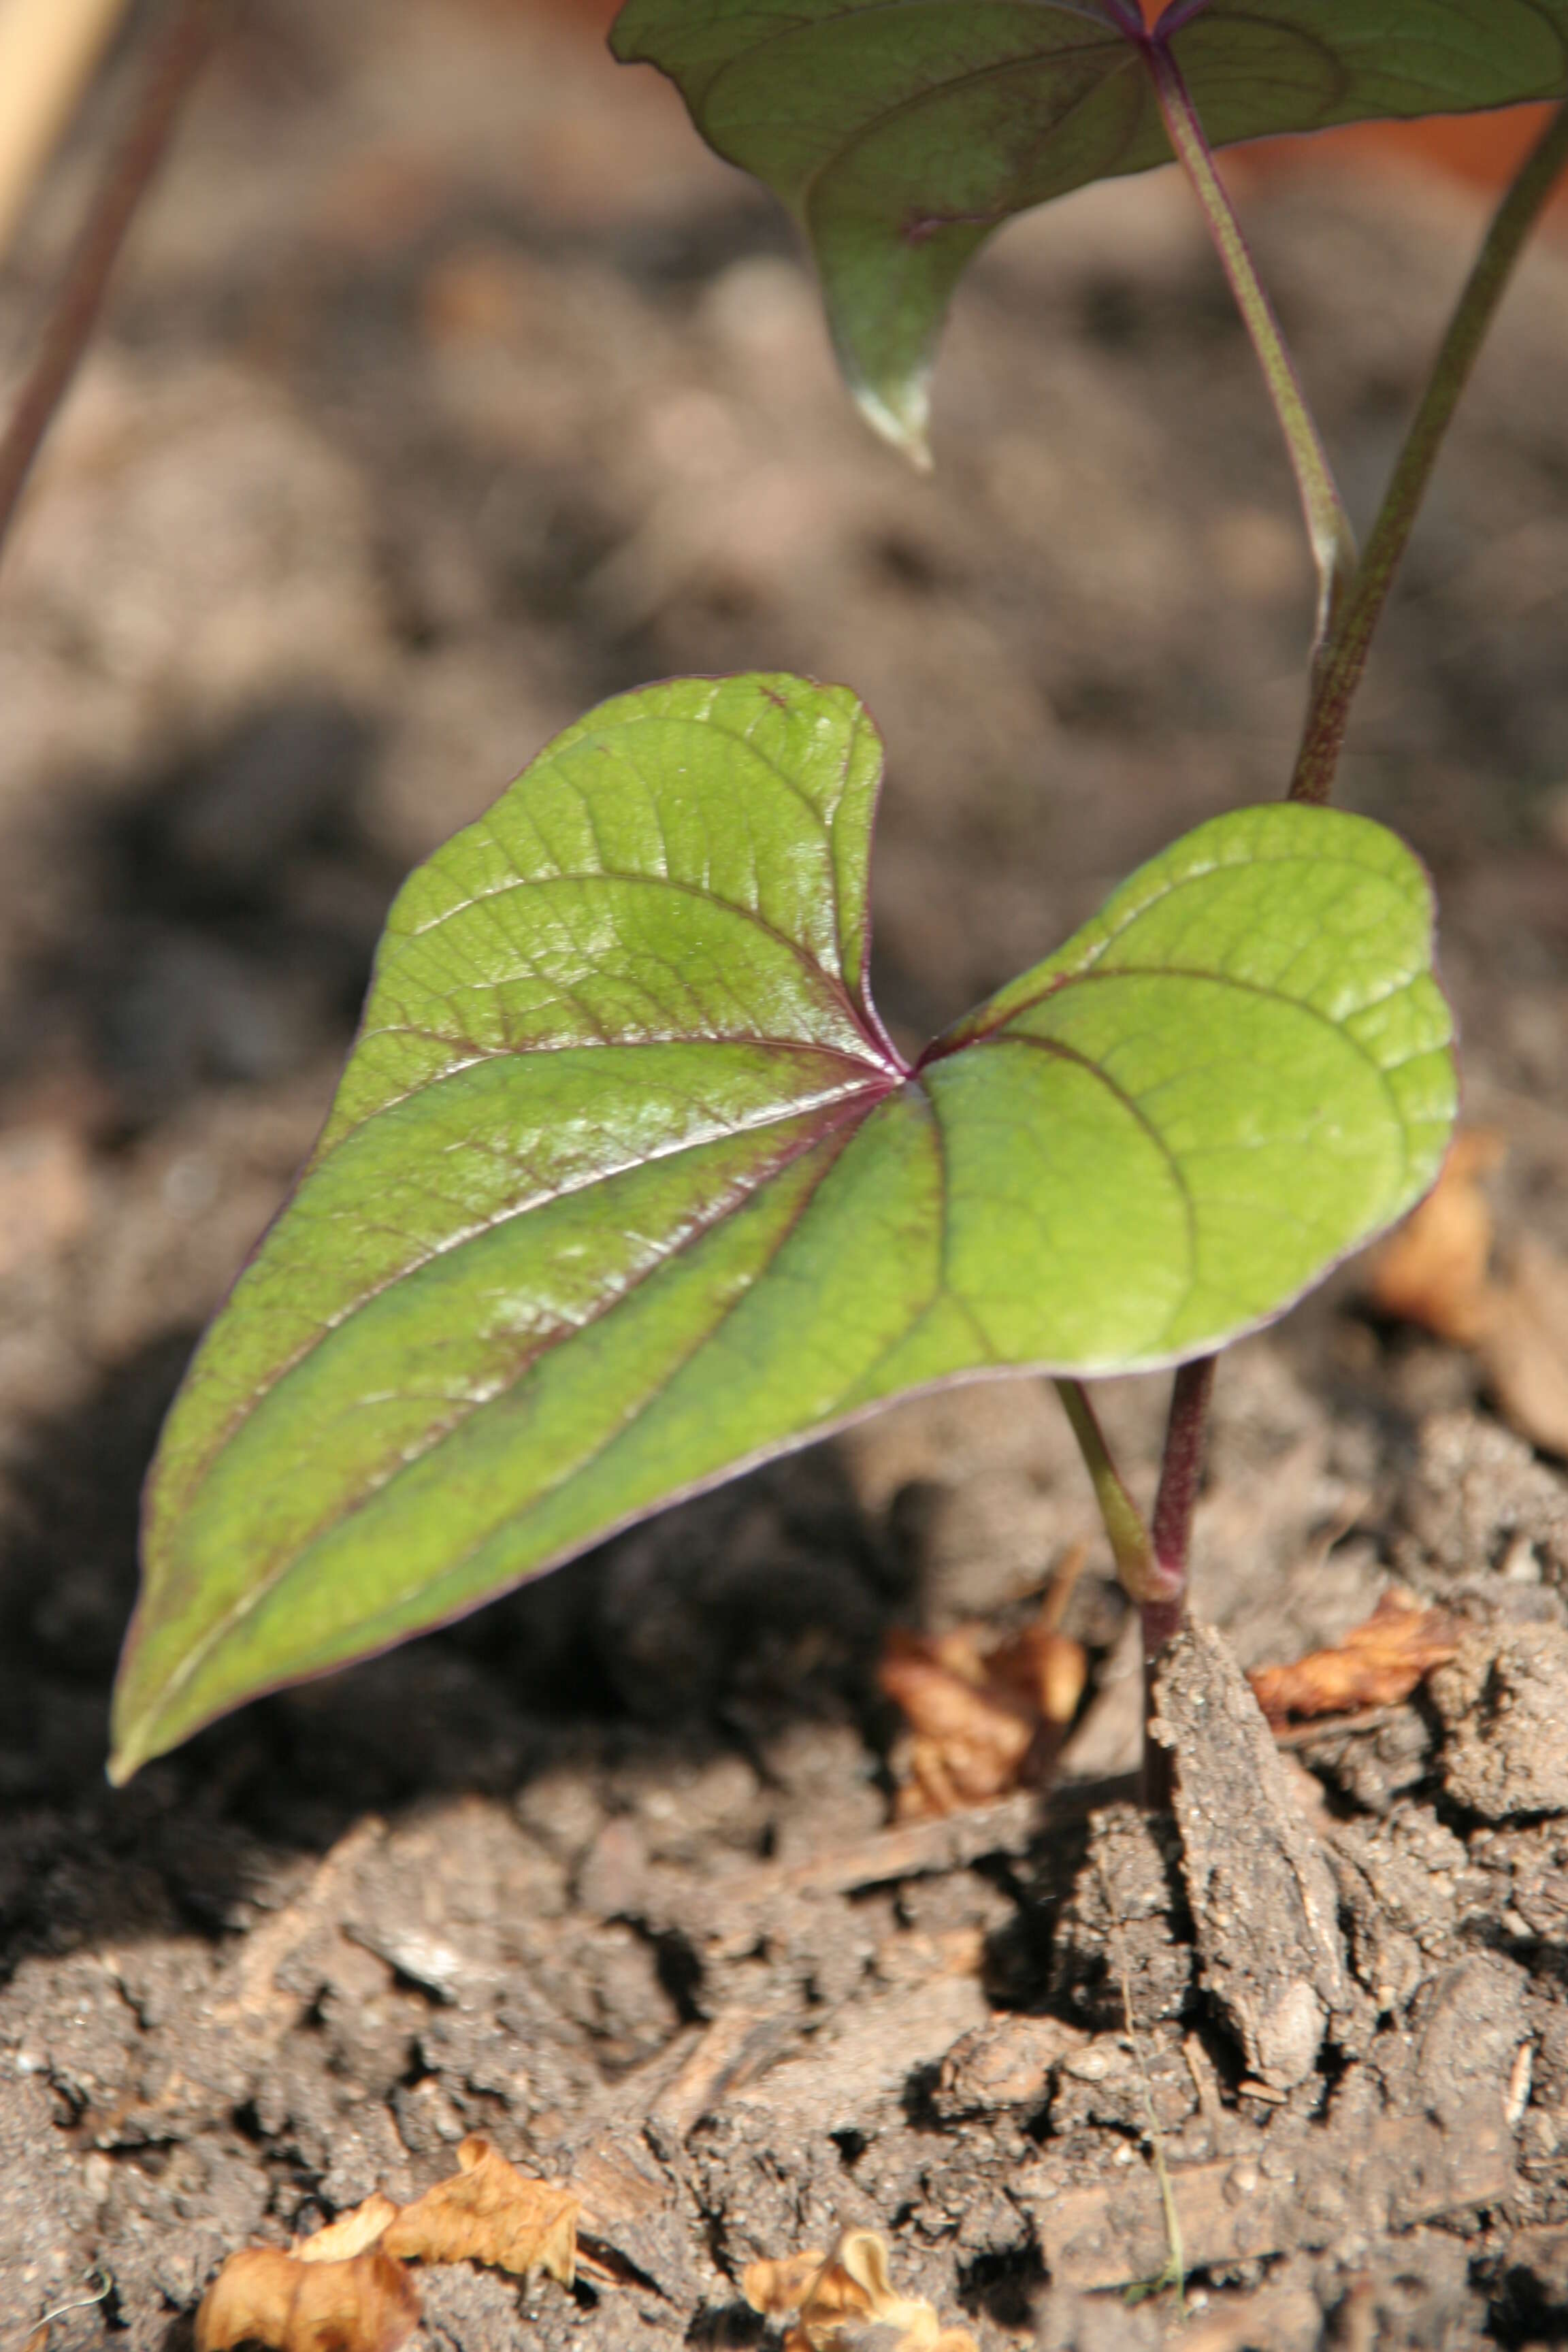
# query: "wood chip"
{"points": [[1263, 1901], [913, 1850], [1400, 2171]]}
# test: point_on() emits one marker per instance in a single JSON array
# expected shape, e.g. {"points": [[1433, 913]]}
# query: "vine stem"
{"points": [[1181, 1472], [1131, 1546], [1152, 1565], [1328, 525], [186, 37], [1339, 671], [1181, 1469]]}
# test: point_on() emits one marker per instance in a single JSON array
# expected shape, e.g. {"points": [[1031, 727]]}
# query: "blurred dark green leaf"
{"points": [[901, 132]]}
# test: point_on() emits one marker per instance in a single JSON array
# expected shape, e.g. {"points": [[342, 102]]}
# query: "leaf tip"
{"points": [[130, 1744], [128, 1752], [138, 1725], [900, 416]]}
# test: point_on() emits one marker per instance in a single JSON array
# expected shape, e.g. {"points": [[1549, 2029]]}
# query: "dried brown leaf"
{"points": [[346, 2290], [265, 2297], [1523, 1345], [1434, 1270], [969, 1743], [1378, 1662], [846, 2300], [862, 2257], [777, 2288], [985, 1717], [350, 2234], [1047, 1669], [490, 2212]]}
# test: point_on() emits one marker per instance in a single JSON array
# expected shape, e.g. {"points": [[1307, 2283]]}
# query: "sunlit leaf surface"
{"points": [[625, 1186]]}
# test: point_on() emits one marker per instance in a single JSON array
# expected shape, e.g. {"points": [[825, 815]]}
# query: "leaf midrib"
{"points": [[873, 1085], [834, 984], [1121, 55]]}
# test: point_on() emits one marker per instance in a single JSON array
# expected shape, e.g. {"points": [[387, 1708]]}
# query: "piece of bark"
{"points": [[912, 1849], [1274, 2319], [859, 2069], [1402, 2170], [633, 2228], [1107, 1741], [1471, 2030], [1262, 1894], [737, 2046]]}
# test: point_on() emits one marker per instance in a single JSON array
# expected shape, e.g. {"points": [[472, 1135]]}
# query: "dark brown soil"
{"points": [[451, 387]]}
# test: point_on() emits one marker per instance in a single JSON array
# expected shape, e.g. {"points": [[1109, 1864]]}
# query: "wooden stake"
{"points": [[47, 51]]}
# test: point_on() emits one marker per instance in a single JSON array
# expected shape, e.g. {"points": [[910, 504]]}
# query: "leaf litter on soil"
{"points": [[985, 1716], [1443, 1270], [367, 2303], [1377, 1663], [844, 2302], [347, 2287]]}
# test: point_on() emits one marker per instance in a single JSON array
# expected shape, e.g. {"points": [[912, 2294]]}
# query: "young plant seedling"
{"points": [[625, 1187]]}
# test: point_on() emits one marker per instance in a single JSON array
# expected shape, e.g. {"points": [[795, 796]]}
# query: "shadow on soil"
{"points": [[714, 1626]]}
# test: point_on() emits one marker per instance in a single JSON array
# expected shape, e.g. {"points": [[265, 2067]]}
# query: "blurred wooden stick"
{"points": [[48, 49], [182, 46]]}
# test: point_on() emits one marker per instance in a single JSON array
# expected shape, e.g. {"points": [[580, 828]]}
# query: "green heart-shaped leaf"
{"points": [[901, 132], [624, 1187]]}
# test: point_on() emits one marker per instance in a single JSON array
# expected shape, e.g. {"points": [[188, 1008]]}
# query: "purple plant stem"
{"points": [[1181, 1469], [186, 38]]}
